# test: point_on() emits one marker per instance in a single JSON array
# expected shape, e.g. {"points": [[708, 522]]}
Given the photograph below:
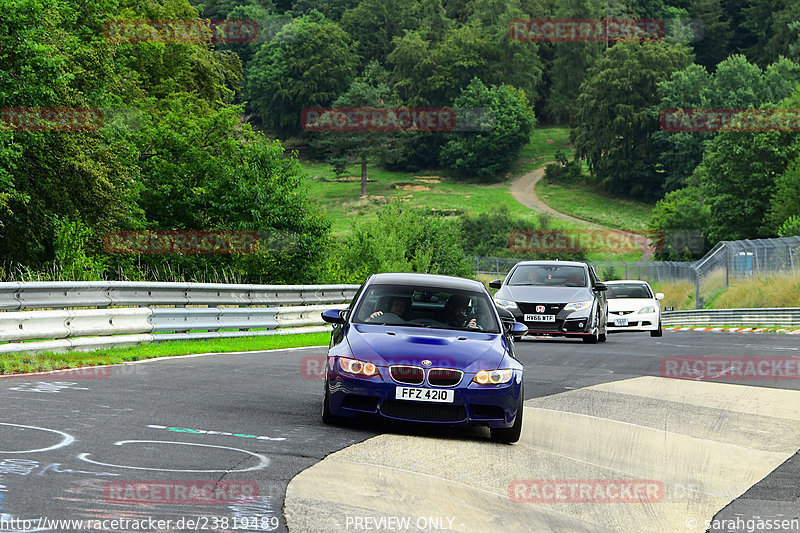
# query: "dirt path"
{"points": [[523, 189]]}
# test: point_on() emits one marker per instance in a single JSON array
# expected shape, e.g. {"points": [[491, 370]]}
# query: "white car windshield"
{"points": [[628, 290]]}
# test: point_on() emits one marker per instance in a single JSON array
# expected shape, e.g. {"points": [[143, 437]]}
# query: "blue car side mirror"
{"points": [[520, 328], [333, 316]]}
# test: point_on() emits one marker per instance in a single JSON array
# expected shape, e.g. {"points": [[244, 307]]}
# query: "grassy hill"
{"points": [[436, 191]]}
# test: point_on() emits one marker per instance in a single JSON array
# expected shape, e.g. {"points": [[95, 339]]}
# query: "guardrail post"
{"points": [[697, 299]]}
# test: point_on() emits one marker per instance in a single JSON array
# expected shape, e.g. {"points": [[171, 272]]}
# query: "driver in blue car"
{"points": [[398, 305], [457, 313]]}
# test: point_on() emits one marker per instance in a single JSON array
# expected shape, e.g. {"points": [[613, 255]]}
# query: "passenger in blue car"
{"points": [[457, 313], [398, 305]]}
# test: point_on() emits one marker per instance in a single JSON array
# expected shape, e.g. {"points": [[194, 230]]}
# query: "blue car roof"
{"points": [[426, 280]]}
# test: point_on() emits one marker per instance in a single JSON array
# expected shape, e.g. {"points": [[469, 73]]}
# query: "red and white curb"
{"points": [[733, 330]]}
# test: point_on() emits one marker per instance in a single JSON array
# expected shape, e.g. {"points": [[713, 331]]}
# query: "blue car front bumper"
{"points": [[494, 406]]}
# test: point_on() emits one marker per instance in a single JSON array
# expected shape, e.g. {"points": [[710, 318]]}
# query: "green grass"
{"points": [[542, 148], [25, 363], [427, 190], [433, 190], [590, 203]]}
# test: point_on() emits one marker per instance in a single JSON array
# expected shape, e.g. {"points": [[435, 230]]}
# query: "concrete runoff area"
{"points": [[704, 443]]}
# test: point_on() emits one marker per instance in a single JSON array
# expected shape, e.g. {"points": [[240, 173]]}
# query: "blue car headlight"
{"points": [[508, 304], [578, 306], [493, 377], [354, 366]]}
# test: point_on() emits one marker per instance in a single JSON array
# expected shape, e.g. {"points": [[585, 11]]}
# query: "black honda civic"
{"points": [[555, 298]]}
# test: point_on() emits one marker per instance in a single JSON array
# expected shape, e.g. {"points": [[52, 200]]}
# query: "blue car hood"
{"points": [[464, 350]]}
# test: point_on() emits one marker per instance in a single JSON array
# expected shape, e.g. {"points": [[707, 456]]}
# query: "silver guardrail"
{"points": [[61, 316], [766, 317]]}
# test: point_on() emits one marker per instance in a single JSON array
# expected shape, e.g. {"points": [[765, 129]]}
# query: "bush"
{"points": [[680, 212], [492, 234], [790, 227], [400, 239]]}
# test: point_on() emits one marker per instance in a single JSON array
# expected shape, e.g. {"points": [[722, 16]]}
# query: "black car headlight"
{"points": [[507, 304]]}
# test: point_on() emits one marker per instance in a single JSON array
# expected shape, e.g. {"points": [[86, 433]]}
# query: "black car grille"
{"points": [[360, 403], [545, 326], [444, 377], [549, 309], [487, 411], [423, 412], [410, 375]]}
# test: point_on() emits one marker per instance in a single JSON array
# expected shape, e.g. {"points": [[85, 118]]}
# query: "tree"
{"points": [[332, 9], [615, 122], [507, 123], [681, 152], [769, 21], [346, 147], [374, 23], [714, 46], [308, 64], [737, 175], [736, 84], [785, 201], [432, 74]]}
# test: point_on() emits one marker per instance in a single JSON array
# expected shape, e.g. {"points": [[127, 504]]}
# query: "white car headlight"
{"points": [[354, 366], [578, 306], [508, 304], [648, 309], [493, 377]]}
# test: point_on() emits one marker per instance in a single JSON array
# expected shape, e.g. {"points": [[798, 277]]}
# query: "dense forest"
{"points": [[193, 134]]}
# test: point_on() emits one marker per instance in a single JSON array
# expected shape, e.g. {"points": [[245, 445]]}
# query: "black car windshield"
{"points": [[628, 290], [404, 305], [549, 275]]}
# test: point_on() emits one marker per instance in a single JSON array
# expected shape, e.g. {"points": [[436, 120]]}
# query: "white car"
{"points": [[632, 306]]}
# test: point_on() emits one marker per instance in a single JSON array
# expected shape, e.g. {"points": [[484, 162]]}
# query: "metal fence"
{"points": [[59, 316], [728, 260]]}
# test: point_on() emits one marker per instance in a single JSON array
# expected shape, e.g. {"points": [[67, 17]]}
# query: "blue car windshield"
{"points": [[549, 275], [414, 306]]}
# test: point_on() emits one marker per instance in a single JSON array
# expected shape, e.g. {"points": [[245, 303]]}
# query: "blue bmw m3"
{"points": [[424, 348]]}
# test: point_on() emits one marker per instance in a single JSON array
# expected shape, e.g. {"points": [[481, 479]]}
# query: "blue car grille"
{"points": [[423, 412], [444, 377], [410, 375]]}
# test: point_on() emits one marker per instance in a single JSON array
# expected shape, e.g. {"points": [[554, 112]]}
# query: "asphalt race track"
{"points": [[185, 439]]}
